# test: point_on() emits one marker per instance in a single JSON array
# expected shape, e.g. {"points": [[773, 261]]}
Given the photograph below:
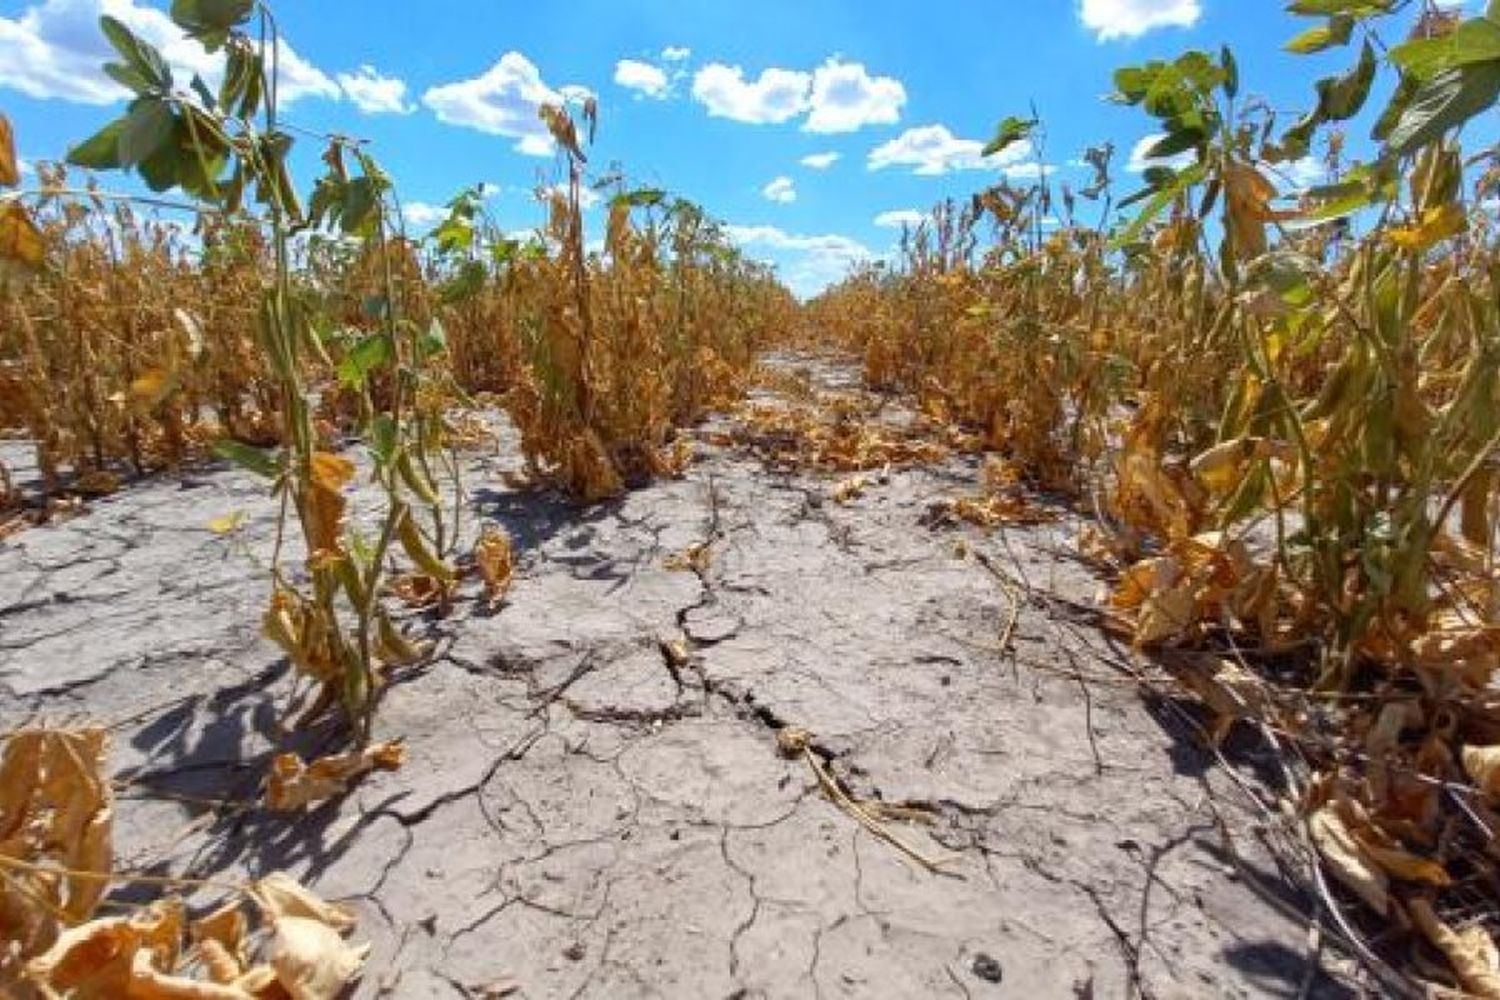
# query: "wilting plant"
{"points": [[218, 147]]}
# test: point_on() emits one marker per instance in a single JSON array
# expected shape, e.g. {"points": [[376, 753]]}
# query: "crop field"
{"points": [[1096, 596]]}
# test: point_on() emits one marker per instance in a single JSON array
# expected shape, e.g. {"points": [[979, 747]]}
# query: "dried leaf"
{"points": [[294, 784], [220, 937], [325, 504], [1347, 859], [1482, 764], [1471, 951], [20, 240], [10, 167], [279, 895], [496, 561], [151, 387], [311, 960]]}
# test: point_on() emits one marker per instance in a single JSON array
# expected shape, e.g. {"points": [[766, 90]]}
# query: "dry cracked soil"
{"points": [[582, 815]]}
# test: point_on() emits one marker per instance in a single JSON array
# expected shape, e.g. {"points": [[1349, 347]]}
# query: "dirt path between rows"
{"points": [[583, 815]]}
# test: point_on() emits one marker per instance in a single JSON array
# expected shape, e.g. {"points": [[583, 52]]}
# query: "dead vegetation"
{"points": [[1278, 408]]}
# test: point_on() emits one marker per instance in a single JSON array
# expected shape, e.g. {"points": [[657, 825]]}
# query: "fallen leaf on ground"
{"points": [[496, 561], [294, 784], [1471, 951]]}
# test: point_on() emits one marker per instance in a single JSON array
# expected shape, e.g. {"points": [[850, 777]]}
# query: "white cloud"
{"points": [[820, 161], [775, 96], [780, 190], [933, 149], [503, 101], [846, 97], [54, 49], [587, 196], [642, 77], [1110, 19], [25, 168], [808, 263], [1299, 175], [375, 94], [422, 215], [676, 53], [1139, 161], [896, 218]]}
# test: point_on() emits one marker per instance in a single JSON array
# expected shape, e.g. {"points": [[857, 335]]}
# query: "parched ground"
{"points": [[582, 815]]}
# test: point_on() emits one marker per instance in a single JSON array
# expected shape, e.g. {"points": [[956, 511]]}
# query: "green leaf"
{"points": [[148, 127], [1325, 36], [1406, 90], [1176, 142], [1332, 8], [139, 55], [128, 77], [1163, 197], [1341, 97], [361, 203], [383, 437], [1362, 187], [1475, 41], [433, 342], [256, 460], [1009, 132], [101, 151], [371, 353], [211, 21], [640, 198], [1445, 102], [1231, 69]]}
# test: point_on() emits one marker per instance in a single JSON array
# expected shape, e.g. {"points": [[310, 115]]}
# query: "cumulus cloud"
{"points": [[55, 50], [780, 190], [771, 98], [1139, 161], [931, 150], [1299, 175], [676, 53], [898, 217], [422, 215], [837, 96], [845, 97], [1111, 19], [808, 264], [375, 94], [503, 101], [820, 161], [642, 77], [587, 196]]}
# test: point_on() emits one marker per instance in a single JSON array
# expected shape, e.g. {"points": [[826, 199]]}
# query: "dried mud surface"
{"points": [[579, 816]]}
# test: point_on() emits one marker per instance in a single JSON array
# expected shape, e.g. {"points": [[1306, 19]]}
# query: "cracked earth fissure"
{"points": [[594, 804]]}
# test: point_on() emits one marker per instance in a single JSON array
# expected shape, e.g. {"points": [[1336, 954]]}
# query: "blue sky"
{"points": [[812, 128]]}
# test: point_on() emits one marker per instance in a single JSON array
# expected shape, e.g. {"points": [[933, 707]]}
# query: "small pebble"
{"points": [[987, 968], [573, 952]]}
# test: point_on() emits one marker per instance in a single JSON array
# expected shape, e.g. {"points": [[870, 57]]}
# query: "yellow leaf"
{"points": [[151, 387], [330, 471], [228, 523], [1437, 224], [20, 239], [10, 168]]}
